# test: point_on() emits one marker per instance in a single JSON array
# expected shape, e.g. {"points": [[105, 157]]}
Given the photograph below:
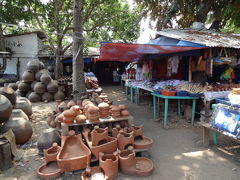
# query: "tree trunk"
{"points": [[59, 66], [2, 48], [78, 65]]}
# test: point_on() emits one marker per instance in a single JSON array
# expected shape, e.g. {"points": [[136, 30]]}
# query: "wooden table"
{"points": [[166, 98]]}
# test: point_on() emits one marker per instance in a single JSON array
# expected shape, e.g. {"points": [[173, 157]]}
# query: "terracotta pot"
{"points": [[59, 118], [116, 130], [125, 140], [5, 109], [115, 112], [103, 109], [52, 87], [92, 173], [87, 106], [61, 107], [59, 95], [48, 97], [9, 93], [80, 118], [28, 76], [74, 154], [33, 65], [68, 120], [45, 78], [85, 102], [47, 138], [99, 136], [39, 74], [51, 153], [76, 109], [139, 166], [109, 164], [21, 128], [70, 104], [13, 86], [34, 97], [69, 113], [18, 113], [25, 105], [49, 170], [93, 113], [122, 107], [125, 113], [24, 87], [39, 88]]}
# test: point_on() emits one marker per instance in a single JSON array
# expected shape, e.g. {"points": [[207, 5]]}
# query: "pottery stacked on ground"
{"points": [[38, 85], [14, 114]]}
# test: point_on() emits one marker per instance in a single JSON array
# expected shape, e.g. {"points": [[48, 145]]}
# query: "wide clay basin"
{"points": [[96, 173], [49, 170], [142, 143], [74, 154]]}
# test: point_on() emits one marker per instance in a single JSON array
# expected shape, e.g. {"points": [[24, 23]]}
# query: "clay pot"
{"points": [[28, 93], [25, 105], [21, 128], [28, 76], [103, 110], [33, 84], [49, 170], [39, 88], [45, 78], [116, 130], [115, 112], [24, 87], [47, 97], [51, 153], [125, 113], [125, 140], [74, 154], [122, 107], [61, 107], [70, 104], [76, 109], [41, 65], [99, 136], [47, 138], [68, 120], [85, 102], [85, 108], [20, 93], [52, 87], [33, 65], [59, 95], [34, 97], [39, 74], [16, 113], [69, 113], [59, 118], [5, 109], [109, 164], [93, 113], [13, 86], [9, 93], [80, 118]]}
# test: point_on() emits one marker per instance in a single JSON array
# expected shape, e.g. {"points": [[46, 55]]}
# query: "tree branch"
{"points": [[66, 47], [90, 10]]}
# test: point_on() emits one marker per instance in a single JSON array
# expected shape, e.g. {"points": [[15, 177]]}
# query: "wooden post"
{"points": [[190, 69]]}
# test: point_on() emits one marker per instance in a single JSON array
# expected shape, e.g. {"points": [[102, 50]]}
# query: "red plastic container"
{"points": [[168, 93]]}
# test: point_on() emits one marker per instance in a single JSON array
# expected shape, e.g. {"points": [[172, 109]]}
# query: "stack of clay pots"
{"points": [[16, 119], [38, 85]]}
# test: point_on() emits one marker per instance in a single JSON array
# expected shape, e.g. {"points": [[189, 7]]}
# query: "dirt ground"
{"points": [[177, 152]]}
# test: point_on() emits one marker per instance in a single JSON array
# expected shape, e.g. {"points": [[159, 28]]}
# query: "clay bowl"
{"points": [[96, 173], [142, 143], [49, 170], [51, 153]]}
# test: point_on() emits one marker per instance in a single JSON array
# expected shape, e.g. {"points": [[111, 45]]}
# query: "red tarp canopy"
{"points": [[131, 52]]}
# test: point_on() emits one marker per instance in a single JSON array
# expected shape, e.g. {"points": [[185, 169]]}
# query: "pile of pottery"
{"points": [[14, 114], [37, 84], [113, 153]]}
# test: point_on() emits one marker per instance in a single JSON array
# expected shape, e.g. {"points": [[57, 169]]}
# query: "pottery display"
{"points": [[49, 170], [28, 76], [13, 86], [124, 140], [39, 88], [51, 153], [47, 97], [23, 86], [5, 109], [45, 78], [9, 93], [52, 87], [33, 65], [59, 95], [47, 138], [132, 165], [21, 128], [25, 105], [34, 97], [109, 164], [18, 113], [74, 154], [103, 109]]}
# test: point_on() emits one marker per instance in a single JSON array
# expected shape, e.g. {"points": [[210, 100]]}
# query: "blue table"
{"points": [[166, 98]]}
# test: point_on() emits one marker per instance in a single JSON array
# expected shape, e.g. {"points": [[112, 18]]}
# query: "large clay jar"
{"points": [[47, 138], [28, 76], [47, 97], [103, 109], [33, 84], [22, 86], [33, 65], [5, 109], [34, 97], [18, 113], [21, 128], [25, 105], [39, 74], [52, 87], [13, 86], [109, 164], [39, 88], [59, 95], [93, 113], [9, 93], [45, 78]]}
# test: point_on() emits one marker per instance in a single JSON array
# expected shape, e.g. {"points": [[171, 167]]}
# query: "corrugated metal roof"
{"points": [[206, 37]]}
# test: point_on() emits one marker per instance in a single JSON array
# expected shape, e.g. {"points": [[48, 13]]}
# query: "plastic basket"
{"points": [[181, 93]]}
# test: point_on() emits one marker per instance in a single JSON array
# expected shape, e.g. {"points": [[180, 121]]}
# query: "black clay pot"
{"points": [[5, 109], [28, 76], [52, 87], [39, 88], [34, 97], [9, 93], [33, 65], [59, 95], [39, 74], [47, 97], [23, 86], [18, 113], [45, 78], [25, 105], [13, 86]]}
